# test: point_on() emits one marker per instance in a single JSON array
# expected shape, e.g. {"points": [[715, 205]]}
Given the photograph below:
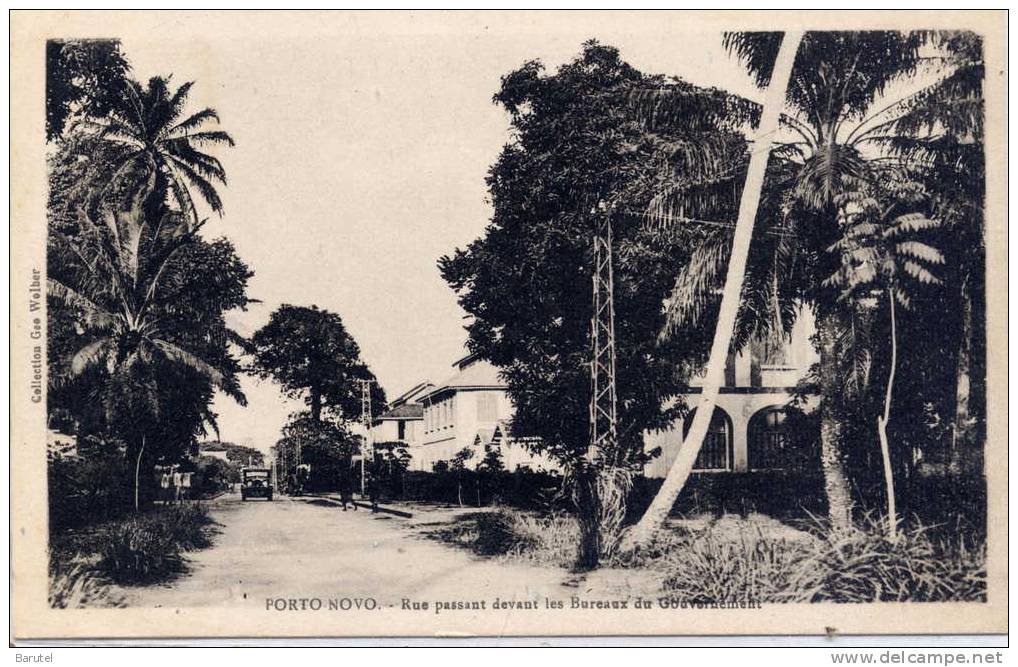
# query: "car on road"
{"points": [[256, 483]]}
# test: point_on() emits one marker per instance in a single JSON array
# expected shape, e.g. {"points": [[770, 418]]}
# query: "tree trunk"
{"points": [[316, 404], [137, 476], [600, 499], [832, 463], [961, 433], [885, 449], [586, 501], [678, 474]]}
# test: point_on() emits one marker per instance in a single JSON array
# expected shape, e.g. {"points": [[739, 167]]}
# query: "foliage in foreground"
{"points": [[859, 564], [148, 547], [139, 549], [541, 540], [746, 564], [80, 587]]}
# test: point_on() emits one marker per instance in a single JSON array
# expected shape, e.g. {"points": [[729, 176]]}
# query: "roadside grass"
{"points": [[136, 550], [754, 558], [514, 535]]}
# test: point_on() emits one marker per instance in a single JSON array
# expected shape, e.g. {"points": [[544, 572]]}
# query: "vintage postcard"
{"points": [[515, 323]]}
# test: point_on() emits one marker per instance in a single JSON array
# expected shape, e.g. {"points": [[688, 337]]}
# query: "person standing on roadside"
{"points": [[178, 484], [346, 487]]}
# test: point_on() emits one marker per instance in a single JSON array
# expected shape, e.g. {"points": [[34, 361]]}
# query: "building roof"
{"points": [[473, 373], [404, 411], [411, 393]]}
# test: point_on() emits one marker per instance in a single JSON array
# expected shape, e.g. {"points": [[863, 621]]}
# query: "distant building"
{"points": [[747, 429], [214, 453], [403, 418], [470, 409]]}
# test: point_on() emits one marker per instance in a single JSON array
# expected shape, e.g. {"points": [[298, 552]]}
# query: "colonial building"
{"points": [[746, 431], [470, 409]]}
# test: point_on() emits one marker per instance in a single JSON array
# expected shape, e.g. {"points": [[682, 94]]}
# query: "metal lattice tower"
{"points": [[603, 421], [366, 420], [366, 404]]}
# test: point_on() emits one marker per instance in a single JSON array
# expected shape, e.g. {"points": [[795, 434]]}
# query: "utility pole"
{"points": [[366, 420], [603, 419]]}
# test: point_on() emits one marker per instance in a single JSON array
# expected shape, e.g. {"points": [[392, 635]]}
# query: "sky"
{"points": [[360, 160]]}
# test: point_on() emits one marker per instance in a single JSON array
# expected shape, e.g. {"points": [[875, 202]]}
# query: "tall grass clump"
{"points": [[190, 526], [80, 587], [863, 564], [746, 567], [859, 564], [139, 550], [147, 548]]}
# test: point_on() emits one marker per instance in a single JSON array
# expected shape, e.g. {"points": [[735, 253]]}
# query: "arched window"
{"points": [[716, 453], [768, 440]]}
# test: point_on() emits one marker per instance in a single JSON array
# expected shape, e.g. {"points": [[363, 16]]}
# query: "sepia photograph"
{"points": [[510, 323]]}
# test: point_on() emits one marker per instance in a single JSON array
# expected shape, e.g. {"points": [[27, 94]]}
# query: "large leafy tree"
{"points": [[309, 352], [83, 76], [940, 131], [325, 445], [579, 141], [885, 261]]}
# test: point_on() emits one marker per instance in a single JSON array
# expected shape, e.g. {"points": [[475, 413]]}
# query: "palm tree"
{"points": [[881, 254], [146, 133], [832, 147], [115, 273], [725, 329]]}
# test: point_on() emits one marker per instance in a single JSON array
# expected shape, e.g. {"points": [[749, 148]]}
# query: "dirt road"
{"points": [[303, 548]]}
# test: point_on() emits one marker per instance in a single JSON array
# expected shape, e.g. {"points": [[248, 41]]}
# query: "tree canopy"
{"points": [[309, 352], [83, 76]]}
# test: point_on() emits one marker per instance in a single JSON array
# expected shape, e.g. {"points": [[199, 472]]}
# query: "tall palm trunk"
{"points": [[832, 463], [730, 299], [882, 420]]}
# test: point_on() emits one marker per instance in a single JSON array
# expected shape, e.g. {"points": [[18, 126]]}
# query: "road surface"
{"points": [[304, 548]]}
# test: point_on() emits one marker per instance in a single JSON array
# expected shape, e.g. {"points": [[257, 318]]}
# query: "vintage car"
{"points": [[256, 483]]}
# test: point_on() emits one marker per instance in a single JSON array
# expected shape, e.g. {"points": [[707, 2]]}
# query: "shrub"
{"points": [[139, 550], [523, 489], [90, 487], [148, 547], [80, 587], [550, 540], [189, 526]]}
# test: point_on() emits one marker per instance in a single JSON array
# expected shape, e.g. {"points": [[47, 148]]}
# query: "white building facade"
{"points": [[746, 431], [469, 410]]}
